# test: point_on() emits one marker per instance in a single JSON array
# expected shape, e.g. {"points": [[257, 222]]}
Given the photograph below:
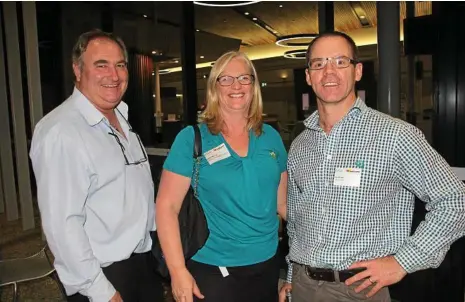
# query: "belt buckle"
{"points": [[320, 276]]}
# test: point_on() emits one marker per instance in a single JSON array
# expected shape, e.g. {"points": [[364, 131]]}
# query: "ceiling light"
{"points": [[164, 71], [176, 61], [255, 19], [280, 5], [362, 17], [154, 52], [145, 16], [224, 4], [197, 30], [153, 73], [202, 57], [246, 13], [295, 54], [300, 40]]}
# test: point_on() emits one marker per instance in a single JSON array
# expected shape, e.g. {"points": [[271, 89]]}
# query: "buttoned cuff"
{"points": [[101, 289], [289, 273], [411, 258]]}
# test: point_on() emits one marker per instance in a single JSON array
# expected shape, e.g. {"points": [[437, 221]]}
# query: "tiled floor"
{"points": [[15, 243]]}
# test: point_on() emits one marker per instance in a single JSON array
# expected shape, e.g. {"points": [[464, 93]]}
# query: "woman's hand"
{"points": [[184, 286]]}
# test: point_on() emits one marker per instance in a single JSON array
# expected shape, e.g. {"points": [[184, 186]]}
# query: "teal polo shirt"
{"points": [[238, 195]]}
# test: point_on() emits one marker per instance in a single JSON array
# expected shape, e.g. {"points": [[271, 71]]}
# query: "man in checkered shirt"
{"points": [[353, 176]]}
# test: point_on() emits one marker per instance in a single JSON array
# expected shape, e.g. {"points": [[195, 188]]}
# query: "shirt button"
{"points": [[329, 157], [326, 183]]}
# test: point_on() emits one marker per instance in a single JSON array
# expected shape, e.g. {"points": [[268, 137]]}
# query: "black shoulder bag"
{"points": [[193, 225]]}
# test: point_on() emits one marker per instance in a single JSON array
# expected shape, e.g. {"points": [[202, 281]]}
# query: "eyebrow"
{"points": [[106, 62]]}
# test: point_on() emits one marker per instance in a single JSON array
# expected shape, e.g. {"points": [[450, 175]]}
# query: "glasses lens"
{"points": [[245, 79], [342, 62], [226, 80], [317, 64]]}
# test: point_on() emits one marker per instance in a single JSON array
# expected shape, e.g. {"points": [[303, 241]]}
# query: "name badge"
{"points": [[216, 154], [348, 177]]}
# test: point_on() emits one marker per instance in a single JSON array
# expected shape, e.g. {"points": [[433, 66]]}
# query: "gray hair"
{"points": [[84, 40]]}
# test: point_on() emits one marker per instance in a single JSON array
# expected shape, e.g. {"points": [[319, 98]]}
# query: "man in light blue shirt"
{"points": [[94, 185]]}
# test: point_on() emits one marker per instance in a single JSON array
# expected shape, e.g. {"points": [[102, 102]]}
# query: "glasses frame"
{"points": [[236, 78], [325, 62], [144, 159]]}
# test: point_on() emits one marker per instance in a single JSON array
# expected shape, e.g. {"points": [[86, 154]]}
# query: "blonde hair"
{"points": [[212, 115]]}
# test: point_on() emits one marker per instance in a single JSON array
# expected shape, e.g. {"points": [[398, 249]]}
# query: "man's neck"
{"points": [[331, 113]]}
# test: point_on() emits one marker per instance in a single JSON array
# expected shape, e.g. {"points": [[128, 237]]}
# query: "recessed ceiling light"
{"points": [[255, 19], [246, 13], [202, 57], [145, 16], [153, 73], [280, 5], [197, 30], [154, 52], [176, 61]]}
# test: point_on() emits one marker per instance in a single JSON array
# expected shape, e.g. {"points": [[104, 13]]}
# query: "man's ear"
{"points": [[307, 77], [358, 71], [77, 72]]}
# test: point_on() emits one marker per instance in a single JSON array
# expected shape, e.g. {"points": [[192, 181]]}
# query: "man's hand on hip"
{"points": [[379, 272]]}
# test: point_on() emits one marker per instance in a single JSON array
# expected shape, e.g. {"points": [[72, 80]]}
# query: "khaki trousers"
{"points": [[305, 289]]}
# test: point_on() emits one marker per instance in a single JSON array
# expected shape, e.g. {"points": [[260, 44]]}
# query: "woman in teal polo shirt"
{"points": [[242, 185]]}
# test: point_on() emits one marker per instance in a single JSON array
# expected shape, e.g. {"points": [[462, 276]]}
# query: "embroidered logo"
{"points": [[272, 154]]}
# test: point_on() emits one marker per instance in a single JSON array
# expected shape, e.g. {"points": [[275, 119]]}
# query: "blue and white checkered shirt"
{"points": [[333, 226]]}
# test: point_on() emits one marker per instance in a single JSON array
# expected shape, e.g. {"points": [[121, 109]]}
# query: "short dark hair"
{"points": [[349, 40], [84, 40]]}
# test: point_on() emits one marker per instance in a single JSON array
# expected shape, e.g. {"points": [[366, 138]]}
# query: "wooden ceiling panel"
{"points": [[292, 18], [228, 23], [345, 19]]}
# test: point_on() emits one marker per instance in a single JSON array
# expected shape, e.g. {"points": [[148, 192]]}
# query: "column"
{"points": [[8, 200], [32, 62], [325, 16], [17, 110], [411, 116], [188, 56], [157, 99], [389, 57]]}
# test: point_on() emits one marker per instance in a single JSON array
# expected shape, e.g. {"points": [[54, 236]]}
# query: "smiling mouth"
{"points": [[110, 86], [330, 84], [236, 95]]}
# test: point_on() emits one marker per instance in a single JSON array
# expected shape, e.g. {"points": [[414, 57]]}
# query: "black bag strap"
{"points": [[197, 142], [197, 157]]}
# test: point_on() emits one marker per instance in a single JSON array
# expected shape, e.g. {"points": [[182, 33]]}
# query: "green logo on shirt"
{"points": [[272, 154], [359, 164]]}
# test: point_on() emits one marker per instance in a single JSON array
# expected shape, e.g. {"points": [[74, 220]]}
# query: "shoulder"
{"points": [[61, 124], [394, 126], [269, 132]]}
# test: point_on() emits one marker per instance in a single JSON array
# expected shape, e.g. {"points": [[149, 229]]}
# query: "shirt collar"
{"points": [[91, 114], [313, 121]]}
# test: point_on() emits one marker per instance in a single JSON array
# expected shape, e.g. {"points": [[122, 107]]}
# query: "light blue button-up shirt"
{"points": [[95, 209]]}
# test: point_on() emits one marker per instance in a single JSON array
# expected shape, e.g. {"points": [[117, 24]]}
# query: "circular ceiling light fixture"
{"points": [[295, 54], [295, 40], [224, 3]]}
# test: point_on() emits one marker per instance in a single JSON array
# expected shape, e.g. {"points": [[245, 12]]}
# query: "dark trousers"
{"points": [[134, 278], [257, 282]]}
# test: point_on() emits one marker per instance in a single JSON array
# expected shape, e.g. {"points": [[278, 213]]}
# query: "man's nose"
{"points": [[114, 74]]}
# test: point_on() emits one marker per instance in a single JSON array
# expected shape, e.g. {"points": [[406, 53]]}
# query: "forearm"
{"points": [[75, 264], [170, 238], [427, 247]]}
